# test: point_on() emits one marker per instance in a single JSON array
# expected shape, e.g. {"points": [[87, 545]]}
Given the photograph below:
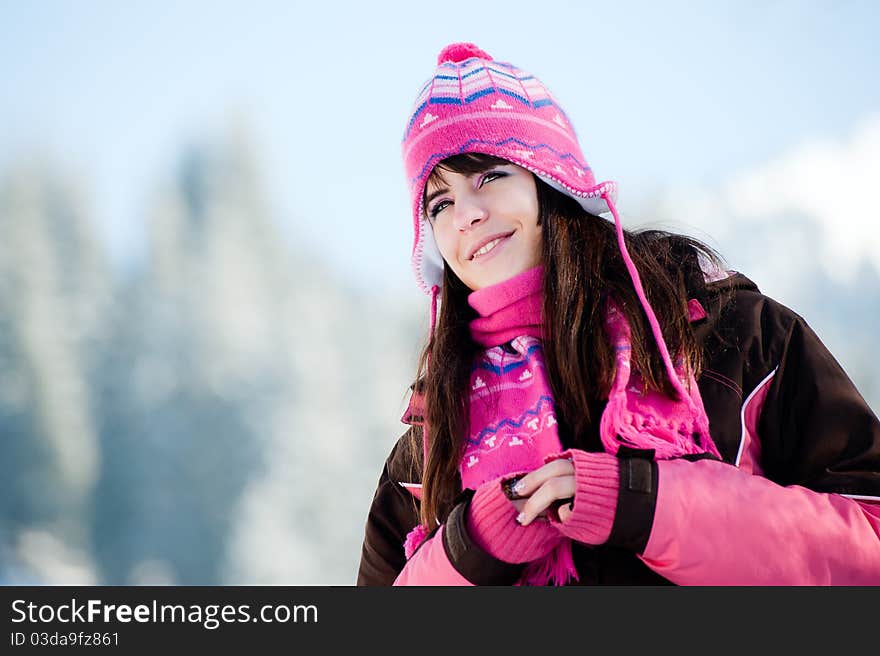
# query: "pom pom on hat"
{"points": [[457, 52]]}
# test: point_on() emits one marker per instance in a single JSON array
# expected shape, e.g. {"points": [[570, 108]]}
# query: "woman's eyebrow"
{"points": [[434, 194]]}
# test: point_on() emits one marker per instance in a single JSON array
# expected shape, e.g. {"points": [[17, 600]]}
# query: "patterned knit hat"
{"points": [[474, 104]]}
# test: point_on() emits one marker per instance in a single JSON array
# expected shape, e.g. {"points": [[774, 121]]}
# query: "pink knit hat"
{"points": [[474, 104]]}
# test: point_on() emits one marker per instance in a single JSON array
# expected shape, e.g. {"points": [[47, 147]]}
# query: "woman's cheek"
{"points": [[445, 246]]}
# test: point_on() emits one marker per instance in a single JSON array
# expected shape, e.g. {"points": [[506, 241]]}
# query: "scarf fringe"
{"points": [[557, 568], [618, 424]]}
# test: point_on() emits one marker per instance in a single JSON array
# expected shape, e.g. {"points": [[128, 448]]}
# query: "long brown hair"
{"points": [[582, 267]]}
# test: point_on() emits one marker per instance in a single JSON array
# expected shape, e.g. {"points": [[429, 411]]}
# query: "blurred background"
{"points": [[208, 323]]}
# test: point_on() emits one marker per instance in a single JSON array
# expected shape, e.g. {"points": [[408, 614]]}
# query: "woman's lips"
{"points": [[500, 244]]}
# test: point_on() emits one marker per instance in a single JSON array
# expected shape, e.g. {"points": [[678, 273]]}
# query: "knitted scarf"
{"points": [[512, 418]]}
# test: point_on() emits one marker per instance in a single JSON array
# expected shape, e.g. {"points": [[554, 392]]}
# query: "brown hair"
{"points": [[582, 267]]}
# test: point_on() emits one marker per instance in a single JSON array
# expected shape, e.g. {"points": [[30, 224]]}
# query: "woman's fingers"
{"points": [[520, 505], [534, 493], [550, 491], [526, 485], [564, 510]]}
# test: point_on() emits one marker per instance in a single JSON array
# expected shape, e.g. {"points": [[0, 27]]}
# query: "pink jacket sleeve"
{"points": [[801, 506], [715, 524]]}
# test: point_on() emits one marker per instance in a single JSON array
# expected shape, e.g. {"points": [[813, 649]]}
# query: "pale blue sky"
{"points": [[660, 94]]}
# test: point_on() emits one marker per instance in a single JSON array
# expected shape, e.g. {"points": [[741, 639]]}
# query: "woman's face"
{"points": [[486, 224]]}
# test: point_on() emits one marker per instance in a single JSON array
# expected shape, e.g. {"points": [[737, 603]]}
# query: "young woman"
{"points": [[598, 406]]}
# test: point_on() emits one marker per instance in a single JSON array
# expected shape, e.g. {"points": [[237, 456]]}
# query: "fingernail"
{"points": [[518, 487], [520, 518]]}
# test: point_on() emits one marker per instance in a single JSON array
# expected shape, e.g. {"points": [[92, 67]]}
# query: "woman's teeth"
{"points": [[488, 247]]}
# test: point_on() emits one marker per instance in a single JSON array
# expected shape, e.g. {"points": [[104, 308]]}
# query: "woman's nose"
{"points": [[469, 214]]}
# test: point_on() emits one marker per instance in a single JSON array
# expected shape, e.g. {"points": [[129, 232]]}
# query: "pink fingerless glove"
{"points": [[491, 523], [597, 480]]}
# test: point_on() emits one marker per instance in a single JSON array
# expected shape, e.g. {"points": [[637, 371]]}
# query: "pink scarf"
{"points": [[512, 417], [512, 308], [511, 405]]}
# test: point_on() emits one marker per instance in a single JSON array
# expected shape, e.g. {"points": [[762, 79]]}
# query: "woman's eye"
{"points": [[439, 207], [443, 204], [492, 175]]}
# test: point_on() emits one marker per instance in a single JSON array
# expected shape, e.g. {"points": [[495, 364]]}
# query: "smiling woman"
{"points": [[594, 405]]}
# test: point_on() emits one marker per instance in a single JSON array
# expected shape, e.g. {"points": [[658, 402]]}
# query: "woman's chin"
{"points": [[497, 275]]}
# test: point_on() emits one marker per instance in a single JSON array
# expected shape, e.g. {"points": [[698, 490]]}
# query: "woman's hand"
{"points": [[491, 523], [576, 492], [548, 490]]}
